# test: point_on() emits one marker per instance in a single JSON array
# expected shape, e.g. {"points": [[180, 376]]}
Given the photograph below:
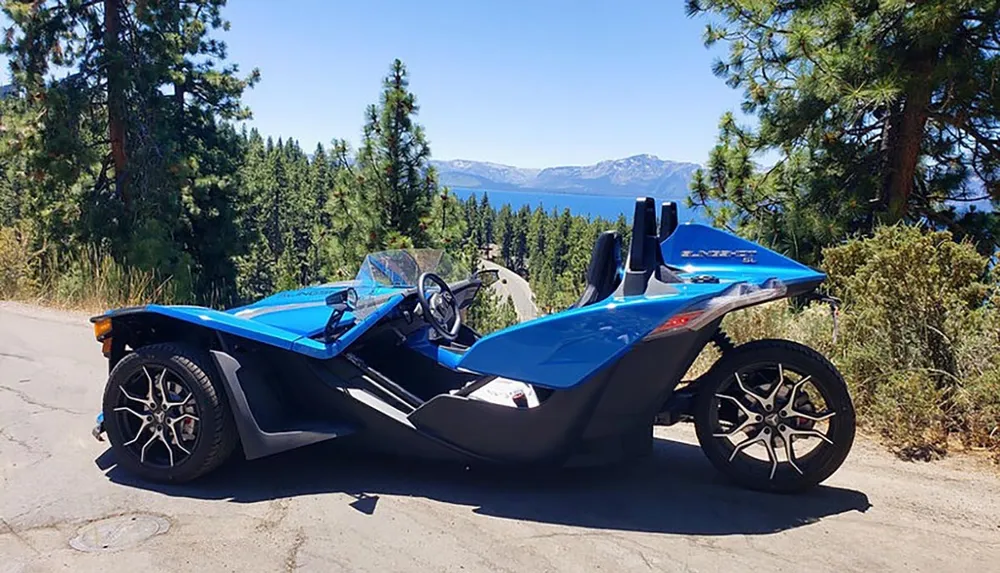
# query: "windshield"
{"points": [[403, 267]]}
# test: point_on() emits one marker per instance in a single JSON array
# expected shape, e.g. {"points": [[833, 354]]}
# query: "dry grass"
{"points": [[85, 280]]}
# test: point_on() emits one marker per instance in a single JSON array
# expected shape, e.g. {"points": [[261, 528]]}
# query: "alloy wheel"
{"points": [[777, 409], [159, 417]]}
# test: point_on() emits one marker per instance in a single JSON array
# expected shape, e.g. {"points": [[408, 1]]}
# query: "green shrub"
{"points": [[919, 338], [916, 332]]}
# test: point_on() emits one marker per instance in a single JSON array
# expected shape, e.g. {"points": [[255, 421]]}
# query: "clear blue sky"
{"points": [[528, 83]]}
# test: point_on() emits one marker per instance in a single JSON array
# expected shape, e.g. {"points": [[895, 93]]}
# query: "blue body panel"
{"points": [[556, 351], [563, 349], [286, 320], [699, 249]]}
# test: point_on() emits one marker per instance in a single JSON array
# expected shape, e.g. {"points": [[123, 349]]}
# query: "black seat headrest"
{"points": [[603, 271], [643, 228], [668, 219]]}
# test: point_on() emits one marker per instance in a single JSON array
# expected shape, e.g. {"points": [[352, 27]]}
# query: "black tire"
{"points": [[188, 368], [759, 356]]}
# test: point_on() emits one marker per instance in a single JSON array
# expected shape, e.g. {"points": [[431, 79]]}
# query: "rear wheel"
{"points": [[165, 418], [775, 415]]}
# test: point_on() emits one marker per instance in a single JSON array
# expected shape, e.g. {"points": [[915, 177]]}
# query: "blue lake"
{"points": [[608, 207]]}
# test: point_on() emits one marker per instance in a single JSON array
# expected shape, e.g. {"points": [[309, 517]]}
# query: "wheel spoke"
{"points": [[176, 437], [789, 410], [131, 397], [163, 391], [772, 455], [142, 454], [751, 418], [150, 399], [768, 402], [819, 418], [810, 434], [753, 395], [185, 416], [145, 424], [786, 437], [760, 437], [131, 411], [168, 405], [170, 451]]}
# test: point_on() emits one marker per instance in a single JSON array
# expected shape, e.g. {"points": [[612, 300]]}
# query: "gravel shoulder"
{"points": [[320, 509]]}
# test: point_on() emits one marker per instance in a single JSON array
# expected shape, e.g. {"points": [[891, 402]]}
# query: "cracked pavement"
{"points": [[320, 509]]}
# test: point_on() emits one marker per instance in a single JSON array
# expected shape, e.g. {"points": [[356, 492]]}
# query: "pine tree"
{"points": [[114, 160], [537, 238], [505, 235], [395, 175], [878, 111], [446, 224], [486, 220], [519, 259], [490, 312]]}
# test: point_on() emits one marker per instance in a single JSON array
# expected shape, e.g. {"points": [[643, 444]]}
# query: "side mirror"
{"points": [[339, 302], [347, 297], [489, 276]]}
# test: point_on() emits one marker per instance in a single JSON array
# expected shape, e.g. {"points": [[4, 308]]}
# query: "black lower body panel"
{"points": [[282, 400], [642, 381], [266, 428]]}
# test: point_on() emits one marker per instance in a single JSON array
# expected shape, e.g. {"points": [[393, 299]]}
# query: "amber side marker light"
{"points": [[102, 332], [102, 328]]}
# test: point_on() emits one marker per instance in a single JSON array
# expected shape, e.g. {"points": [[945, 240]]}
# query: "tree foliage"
{"points": [[117, 138], [118, 157], [876, 111]]}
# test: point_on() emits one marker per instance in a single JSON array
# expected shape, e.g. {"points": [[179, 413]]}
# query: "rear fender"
{"points": [[699, 249]]}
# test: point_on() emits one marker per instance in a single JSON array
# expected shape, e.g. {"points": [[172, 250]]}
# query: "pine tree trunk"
{"points": [[116, 91], [179, 86], [906, 132]]}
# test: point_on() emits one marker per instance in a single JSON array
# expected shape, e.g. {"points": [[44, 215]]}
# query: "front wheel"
{"points": [[166, 419], [775, 415]]}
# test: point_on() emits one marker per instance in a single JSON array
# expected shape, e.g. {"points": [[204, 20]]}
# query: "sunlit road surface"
{"points": [[317, 509], [517, 288]]}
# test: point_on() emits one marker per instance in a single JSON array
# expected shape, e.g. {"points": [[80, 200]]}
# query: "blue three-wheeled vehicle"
{"points": [[385, 361]]}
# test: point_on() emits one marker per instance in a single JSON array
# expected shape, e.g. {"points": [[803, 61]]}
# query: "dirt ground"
{"points": [[318, 509]]}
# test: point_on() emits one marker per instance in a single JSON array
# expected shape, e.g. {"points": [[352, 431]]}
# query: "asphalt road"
{"points": [[318, 509], [517, 288]]}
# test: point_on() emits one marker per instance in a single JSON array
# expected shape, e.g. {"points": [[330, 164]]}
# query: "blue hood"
{"points": [[304, 311]]}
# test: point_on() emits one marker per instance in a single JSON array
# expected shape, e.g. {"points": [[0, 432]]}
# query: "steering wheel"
{"points": [[439, 307]]}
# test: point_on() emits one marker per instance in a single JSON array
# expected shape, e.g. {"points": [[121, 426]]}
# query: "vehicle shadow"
{"points": [[675, 490]]}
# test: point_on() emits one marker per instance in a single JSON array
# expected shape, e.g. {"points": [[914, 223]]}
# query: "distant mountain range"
{"points": [[631, 176]]}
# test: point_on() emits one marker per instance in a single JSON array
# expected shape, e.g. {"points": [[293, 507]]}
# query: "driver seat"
{"points": [[604, 271]]}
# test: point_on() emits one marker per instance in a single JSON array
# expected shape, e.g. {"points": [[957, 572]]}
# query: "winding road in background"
{"points": [[320, 509], [517, 289]]}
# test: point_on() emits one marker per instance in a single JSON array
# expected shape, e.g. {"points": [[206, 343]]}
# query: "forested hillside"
{"points": [[123, 179]]}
